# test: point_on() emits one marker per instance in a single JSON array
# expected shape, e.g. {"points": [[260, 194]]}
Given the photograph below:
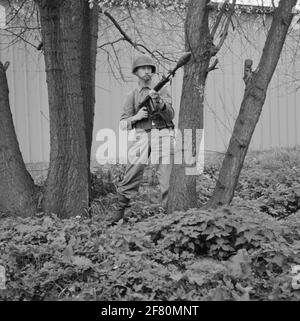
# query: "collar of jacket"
{"points": [[141, 87]]}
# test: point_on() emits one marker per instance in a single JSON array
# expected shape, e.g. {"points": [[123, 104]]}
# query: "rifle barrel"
{"points": [[182, 61]]}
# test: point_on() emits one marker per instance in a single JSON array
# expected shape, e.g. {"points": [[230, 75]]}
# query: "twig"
{"points": [[111, 43], [118, 62], [219, 17], [225, 31], [163, 56], [19, 36], [123, 33], [133, 21], [127, 38], [6, 65], [213, 66], [16, 12], [109, 63], [273, 4], [224, 34]]}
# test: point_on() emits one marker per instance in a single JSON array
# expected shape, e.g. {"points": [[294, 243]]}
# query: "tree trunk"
{"points": [[251, 107], [88, 67], [182, 193], [63, 32], [17, 191]]}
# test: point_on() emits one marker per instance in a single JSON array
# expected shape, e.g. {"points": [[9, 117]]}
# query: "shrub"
{"points": [[238, 252], [198, 255]]}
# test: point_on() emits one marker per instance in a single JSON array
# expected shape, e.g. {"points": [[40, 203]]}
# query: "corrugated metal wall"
{"points": [[28, 99], [278, 126]]}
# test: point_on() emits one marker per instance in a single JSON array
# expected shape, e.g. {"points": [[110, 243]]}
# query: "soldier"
{"points": [[158, 130]]}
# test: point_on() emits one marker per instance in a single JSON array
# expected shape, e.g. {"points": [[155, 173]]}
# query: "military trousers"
{"points": [[148, 147]]}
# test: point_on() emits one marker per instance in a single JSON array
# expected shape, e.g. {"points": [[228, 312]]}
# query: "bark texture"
{"points": [[88, 68], [17, 191], [251, 107], [182, 193], [64, 25]]}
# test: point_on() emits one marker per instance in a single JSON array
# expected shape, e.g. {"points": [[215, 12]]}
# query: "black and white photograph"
{"points": [[149, 154]]}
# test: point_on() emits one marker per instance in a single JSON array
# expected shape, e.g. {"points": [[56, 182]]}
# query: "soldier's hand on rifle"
{"points": [[156, 98], [154, 95], [142, 113]]}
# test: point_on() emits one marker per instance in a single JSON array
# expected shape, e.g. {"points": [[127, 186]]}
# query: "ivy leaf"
{"points": [[81, 261], [245, 296], [220, 294], [138, 287], [68, 254], [239, 264], [278, 259], [48, 222], [59, 241], [240, 240], [196, 278], [23, 228], [191, 245], [176, 276], [210, 236]]}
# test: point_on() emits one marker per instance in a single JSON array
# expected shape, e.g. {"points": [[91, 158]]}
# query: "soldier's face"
{"points": [[144, 73]]}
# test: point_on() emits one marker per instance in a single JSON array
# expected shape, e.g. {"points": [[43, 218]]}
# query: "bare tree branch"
{"points": [[213, 66], [111, 43], [136, 45], [163, 56], [16, 13], [224, 34], [133, 21], [225, 30], [6, 65], [218, 20], [20, 37], [111, 61], [122, 32], [118, 62]]}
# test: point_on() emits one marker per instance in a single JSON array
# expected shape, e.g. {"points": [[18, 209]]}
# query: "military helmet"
{"points": [[143, 61]]}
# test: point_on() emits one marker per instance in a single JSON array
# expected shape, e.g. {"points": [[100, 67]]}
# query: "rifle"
{"points": [[147, 101]]}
